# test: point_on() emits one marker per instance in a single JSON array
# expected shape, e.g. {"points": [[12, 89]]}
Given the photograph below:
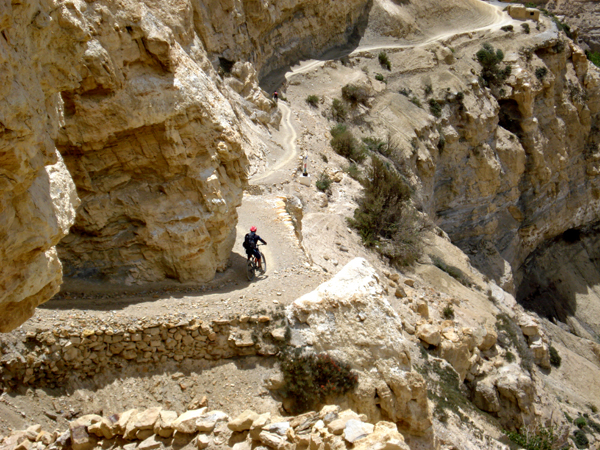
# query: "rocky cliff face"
{"points": [[582, 14], [37, 195]]}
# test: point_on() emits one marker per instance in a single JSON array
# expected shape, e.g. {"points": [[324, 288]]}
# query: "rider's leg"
{"points": [[257, 256]]}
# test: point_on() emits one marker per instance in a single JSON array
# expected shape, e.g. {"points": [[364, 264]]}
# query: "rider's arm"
{"points": [[262, 240]]}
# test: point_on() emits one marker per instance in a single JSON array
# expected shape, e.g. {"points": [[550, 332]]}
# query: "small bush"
{"points": [[507, 28], [345, 144], [593, 408], [510, 357], [460, 96], [555, 358], [405, 92], [428, 90], [383, 218], [569, 418], [541, 72], [380, 77], [415, 101], [490, 60], [448, 312], [441, 143], [339, 111], [355, 94], [580, 438], [324, 182], [435, 108], [353, 171], [309, 379], [537, 439], [594, 57], [313, 100], [594, 426], [562, 27], [526, 28], [385, 61], [454, 272], [580, 422], [324, 158], [374, 144]]}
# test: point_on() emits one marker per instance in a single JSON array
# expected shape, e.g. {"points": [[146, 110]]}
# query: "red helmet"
{"points": [[252, 228]]}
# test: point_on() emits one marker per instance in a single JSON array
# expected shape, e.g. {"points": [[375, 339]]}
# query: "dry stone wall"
{"points": [[49, 358]]}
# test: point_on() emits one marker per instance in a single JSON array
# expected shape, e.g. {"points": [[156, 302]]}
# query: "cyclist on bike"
{"points": [[250, 241]]}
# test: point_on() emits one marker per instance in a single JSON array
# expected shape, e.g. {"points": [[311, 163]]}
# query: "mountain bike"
{"points": [[252, 266]]}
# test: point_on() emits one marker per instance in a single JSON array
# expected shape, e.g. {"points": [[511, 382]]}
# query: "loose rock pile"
{"points": [[154, 428], [46, 358]]}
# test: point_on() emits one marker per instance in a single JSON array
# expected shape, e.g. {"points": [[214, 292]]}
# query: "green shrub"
{"points": [[415, 101], [374, 144], [569, 418], [594, 426], [594, 57], [405, 92], [580, 438], [353, 171], [379, 77], [309, 379], [448, 312], [339, 111], [555, 358], [435, 108], [562, 27], [324, 182], [593, 408], [385, 61], [355, 94], [454, 272], [460, 96], [526, 28], [507, 328], [428, 90], [345, 144], [541, 72], [313, 100], [507, 28], [580, 422], [510, 357], [383, 218], [324, 158], [538, 439], [490, 60]]}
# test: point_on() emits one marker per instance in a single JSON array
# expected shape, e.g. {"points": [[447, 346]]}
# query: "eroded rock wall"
{"points": [[37, 194]]}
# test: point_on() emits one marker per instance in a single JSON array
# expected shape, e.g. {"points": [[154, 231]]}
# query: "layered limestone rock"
{"points": [[507, 168], [350, 319], [581, 15], [37, 194], [153, 146]]}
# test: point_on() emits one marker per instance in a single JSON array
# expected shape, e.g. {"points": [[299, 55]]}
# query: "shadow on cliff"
{"points": [[82, 294], [560, 280], [273, 80]]}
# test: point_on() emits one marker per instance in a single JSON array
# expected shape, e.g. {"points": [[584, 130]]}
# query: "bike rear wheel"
{"points": [[250, 270], [263, 262]]}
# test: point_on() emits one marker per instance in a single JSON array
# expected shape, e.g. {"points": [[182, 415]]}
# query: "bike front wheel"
{"points": [[250, 270], [263, 262]]}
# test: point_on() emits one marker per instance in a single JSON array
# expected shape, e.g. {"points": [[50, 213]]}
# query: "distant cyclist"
{"points": [[275, 95], [250, 241]]}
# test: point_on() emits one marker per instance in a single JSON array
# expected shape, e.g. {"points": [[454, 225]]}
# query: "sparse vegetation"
{"points": [[309, 379], [594, 57], [435, 107], [339, 111], [580, 422], [353, 171], [490, 60], [379, 77], [385, 61], [540, 438], [448, 312], [313, 100], [355, 94], [324, 158], [406, 92], [507, 28], [383, 218], [345, 144], [593, 408], [581, 439], [510, 357], [541, 72], [324, 182], [454, 272], [509, 334], [562, 26], [377, 145], [415, 101], [555, 358], [428, 90], [526, 28]]}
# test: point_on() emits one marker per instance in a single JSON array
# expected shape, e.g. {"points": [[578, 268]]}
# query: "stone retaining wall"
{"points": [[46, 358]]}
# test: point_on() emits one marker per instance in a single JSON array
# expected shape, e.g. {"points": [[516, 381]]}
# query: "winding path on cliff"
{"points": [[289, 273]]}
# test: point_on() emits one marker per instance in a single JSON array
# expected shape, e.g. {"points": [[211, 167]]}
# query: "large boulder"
{"points": [[350, 319]]}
